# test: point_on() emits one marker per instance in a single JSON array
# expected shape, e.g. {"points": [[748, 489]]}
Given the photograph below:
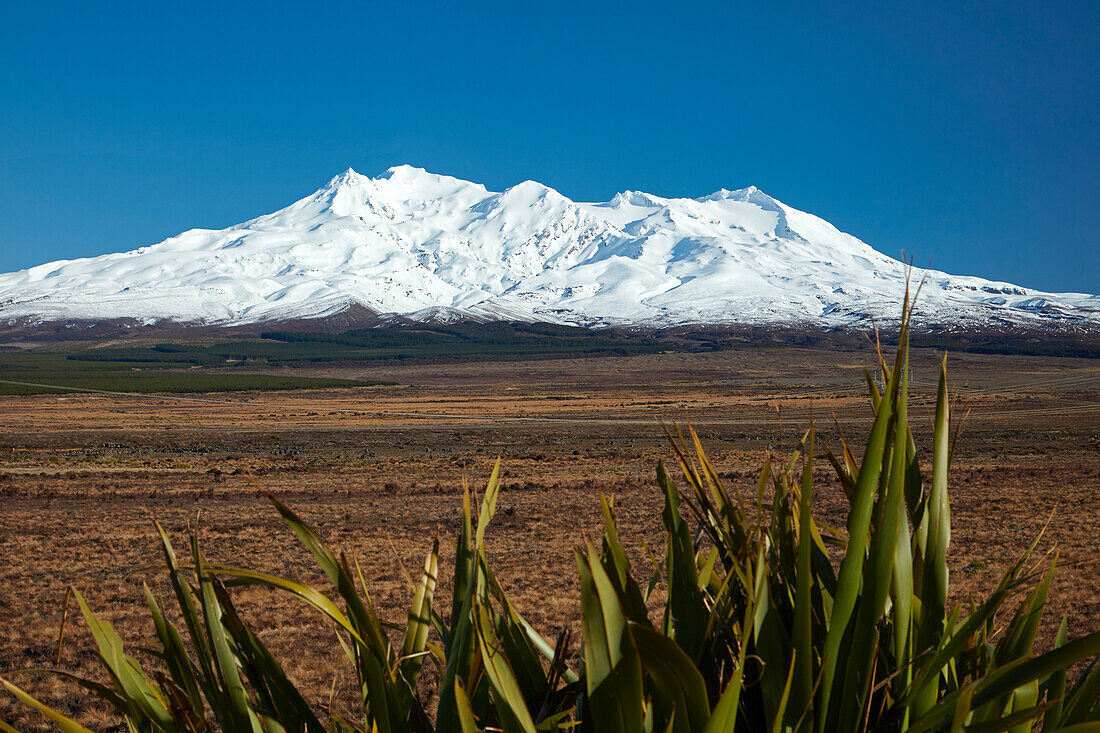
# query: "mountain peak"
{"points": [[397, 174], [348, 177], [635, 198], [411, 183], [406, 172], [751, 193], [530, 191]]}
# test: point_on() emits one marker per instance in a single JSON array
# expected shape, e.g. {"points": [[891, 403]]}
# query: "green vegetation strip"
{"points": [[187, 366], [421, 344], [41, 373]]}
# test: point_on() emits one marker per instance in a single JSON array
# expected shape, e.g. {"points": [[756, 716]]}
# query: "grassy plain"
{"points": [[379, 471]]}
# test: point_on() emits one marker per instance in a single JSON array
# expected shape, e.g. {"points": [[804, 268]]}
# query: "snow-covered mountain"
{"points": [[434, 247]]}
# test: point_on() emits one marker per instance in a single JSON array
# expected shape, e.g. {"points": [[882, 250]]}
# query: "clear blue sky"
{"points": [[964, 133]]}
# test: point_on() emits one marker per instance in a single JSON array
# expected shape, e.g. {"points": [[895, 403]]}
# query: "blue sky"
{"points": [[964, 133]]}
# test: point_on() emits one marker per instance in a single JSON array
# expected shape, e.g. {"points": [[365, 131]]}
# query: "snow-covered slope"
{"points": [[428, 246]]}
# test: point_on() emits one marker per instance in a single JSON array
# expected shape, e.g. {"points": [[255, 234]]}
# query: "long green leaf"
{"points": [[510, 703], [313, 597], [934, 574], [802, 636], [465, 713], [420, 618], [144, 700], [859, 524], [617, 566], [685, 601], [613, 672], [1056, 687], [265, 673], [488, 505], [461, 638], [67, 725], [100, 690], [185, 599], [177, 660], [236, 707], [1083, 702], [677, 682]]}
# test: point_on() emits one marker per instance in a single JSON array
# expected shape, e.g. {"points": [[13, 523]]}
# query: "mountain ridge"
{"points": [[423, 246]]}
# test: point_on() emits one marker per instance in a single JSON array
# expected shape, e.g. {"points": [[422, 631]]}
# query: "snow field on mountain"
{"points": [[427, 246]]}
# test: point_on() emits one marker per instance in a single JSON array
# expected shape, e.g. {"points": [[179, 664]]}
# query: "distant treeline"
{"points": [[1084, 346], [1066, 343]]}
